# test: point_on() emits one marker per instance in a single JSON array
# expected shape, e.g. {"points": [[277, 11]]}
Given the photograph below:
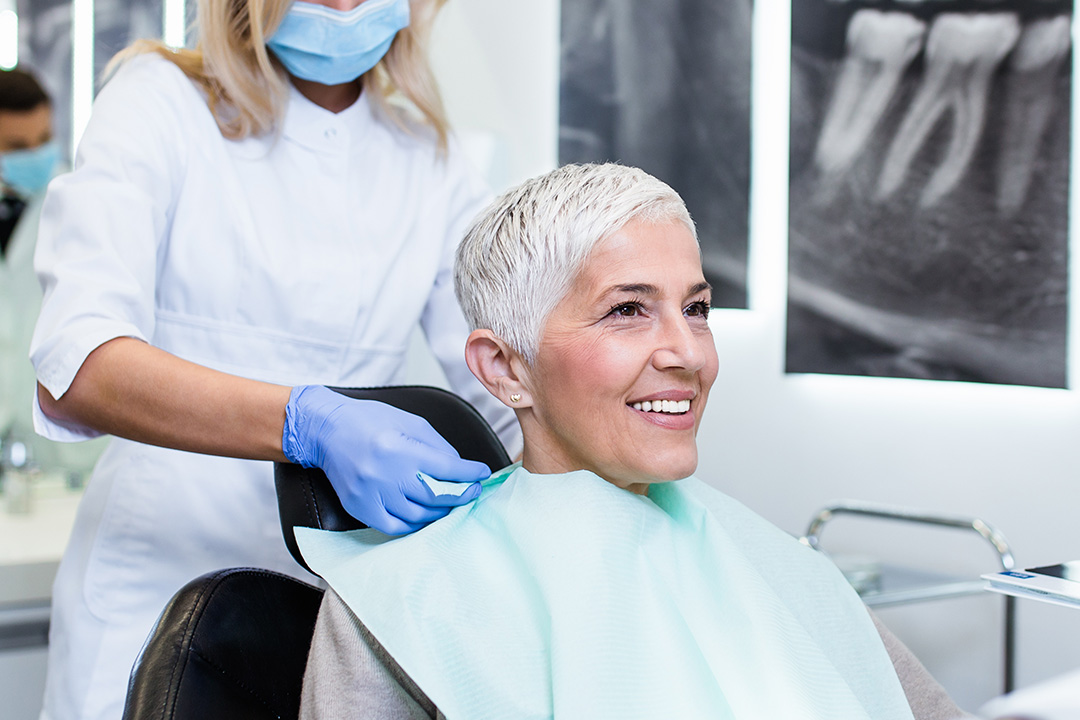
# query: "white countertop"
{"points": [[31, 544]]}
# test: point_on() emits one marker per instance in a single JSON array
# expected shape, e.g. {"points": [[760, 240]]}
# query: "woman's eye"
{"points": [[698, 309], [626, 310]]}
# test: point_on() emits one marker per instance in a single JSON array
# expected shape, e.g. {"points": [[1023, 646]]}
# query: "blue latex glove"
{"points": [[372, 454]]}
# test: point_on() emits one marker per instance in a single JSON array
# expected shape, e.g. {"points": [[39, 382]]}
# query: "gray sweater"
{"points": [[350, 675]]}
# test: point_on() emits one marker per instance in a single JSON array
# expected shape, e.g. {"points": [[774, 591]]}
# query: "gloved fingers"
{"points": [[423, 494], [420, 430], [449, 467], [382, 508], [413, 513], [389, 524], [412, 426]]}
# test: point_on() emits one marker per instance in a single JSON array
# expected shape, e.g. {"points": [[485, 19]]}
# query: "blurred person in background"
{"points": [[29, 159]]}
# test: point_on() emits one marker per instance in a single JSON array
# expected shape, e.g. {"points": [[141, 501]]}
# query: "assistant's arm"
{"points": [[103, 233], [134, 390], [371, 452]]}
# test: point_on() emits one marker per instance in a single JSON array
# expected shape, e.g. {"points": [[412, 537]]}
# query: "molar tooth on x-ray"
{"points": [[880, 46], [962, 53], [1030, 87]]}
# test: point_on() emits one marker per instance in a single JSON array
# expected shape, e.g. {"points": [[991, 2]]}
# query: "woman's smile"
{"points": [[667, 410]]}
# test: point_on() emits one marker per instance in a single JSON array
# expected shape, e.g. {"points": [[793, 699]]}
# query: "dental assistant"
{"points": [[247, 222]]}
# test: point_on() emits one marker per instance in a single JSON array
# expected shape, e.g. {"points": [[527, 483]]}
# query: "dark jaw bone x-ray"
{"points": [[929, 168], [665, 85], [929, 189]]}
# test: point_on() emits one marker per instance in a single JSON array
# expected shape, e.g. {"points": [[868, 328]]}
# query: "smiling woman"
{"points": [[630, 325], [597, 578]]}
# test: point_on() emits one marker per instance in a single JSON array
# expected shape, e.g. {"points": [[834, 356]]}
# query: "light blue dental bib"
{"points": [[563, 596]]}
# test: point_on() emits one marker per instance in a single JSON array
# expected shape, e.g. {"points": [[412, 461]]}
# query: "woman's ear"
{"points": [[498, 367]]}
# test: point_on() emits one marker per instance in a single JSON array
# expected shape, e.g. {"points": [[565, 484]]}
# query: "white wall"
{"points": [[498, 67], [786, 445]]}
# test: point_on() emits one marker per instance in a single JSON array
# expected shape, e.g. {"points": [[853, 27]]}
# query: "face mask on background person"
{"points": [[330, 46], [29, 171]]}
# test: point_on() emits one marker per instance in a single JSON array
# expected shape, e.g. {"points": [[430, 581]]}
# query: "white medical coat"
{"points": [[307, 258]]}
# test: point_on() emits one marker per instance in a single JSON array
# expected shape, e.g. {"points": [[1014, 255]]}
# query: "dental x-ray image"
{"points": [[45, 50], [665, 85], [929, 189], [118, 22], [45, 45]]}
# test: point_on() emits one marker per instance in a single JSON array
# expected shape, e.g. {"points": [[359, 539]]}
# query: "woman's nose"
{"points": [[681, 345]]}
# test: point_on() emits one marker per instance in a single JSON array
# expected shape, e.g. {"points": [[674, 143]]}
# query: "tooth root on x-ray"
{"points": [[880, 45], [962, 52], [1029, 101]]}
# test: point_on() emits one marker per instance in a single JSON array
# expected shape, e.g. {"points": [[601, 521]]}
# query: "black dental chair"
{"points": [[233, 643]]}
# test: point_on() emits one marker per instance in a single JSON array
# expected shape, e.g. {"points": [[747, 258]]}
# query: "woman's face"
{"points": [[625, 363]]}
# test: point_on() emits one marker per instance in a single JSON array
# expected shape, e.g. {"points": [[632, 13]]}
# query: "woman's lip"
{"points": [[671, 421]]}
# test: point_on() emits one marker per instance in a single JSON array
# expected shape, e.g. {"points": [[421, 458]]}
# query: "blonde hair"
{"points": [[247, 89], [522, 254]]}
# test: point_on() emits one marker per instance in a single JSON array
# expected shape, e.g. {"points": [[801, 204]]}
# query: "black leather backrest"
{"points": [[230, 644], [305, 497]]}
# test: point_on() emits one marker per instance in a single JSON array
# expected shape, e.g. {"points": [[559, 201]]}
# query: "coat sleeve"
{"points": [[102, 225], [443, 323]]}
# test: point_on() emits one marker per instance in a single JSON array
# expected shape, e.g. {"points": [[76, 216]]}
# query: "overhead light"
{"points": [[9, 39], [82, 67], [174, 26]]}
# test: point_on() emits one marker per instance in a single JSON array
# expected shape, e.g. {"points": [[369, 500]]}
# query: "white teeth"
{"points": [[880, 46], [1030, 89], [1043, 41], [962, 53], [673, 407]]}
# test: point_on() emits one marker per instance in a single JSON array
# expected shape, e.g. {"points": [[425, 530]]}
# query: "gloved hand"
{"points": [[371, 452]]}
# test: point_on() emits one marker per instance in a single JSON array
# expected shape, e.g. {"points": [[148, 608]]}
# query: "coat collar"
{"points": [[321, 130]]}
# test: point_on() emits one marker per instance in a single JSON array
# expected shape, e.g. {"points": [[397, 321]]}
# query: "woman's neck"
{"points": [[541, 463], [334, 98]]}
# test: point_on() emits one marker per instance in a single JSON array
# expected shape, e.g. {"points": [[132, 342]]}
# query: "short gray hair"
{"points": [[522, 254]]}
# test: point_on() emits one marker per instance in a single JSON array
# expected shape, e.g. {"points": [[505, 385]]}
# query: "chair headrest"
{"points": [[305, 496]]}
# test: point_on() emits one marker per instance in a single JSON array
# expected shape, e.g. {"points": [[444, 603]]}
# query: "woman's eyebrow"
{"points": [[633, 289], [651, 290]]}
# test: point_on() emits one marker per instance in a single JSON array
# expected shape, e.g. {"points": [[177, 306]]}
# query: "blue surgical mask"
{"points": [[29, 171], [330, 46]]}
